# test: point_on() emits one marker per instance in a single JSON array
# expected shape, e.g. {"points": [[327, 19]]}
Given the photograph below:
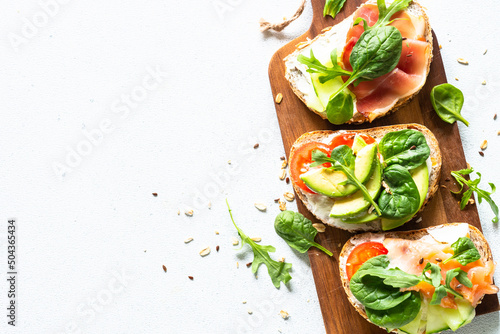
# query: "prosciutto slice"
{"points": [[384, 92]]}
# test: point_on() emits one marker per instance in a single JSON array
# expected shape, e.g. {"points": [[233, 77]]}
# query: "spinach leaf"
{"points": [[333, 7], [398, 316], [406, 147], [460, 275], [402, 198], [278, 271], [439, 293], [371, 290], [342, 159], [447, 101], [340, 108], [435, 273], [473, 186], [327, 72], [394, 277], [297, 231], [464, 251]]}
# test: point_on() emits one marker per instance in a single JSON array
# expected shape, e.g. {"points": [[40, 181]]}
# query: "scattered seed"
{"points": [[155, 194], [216, 232], [237, 264], [210, 205], [205, 252], [413, 147], [404, 38], [481, 153], [282, 205], [440, 46], [282, 157], [471, 201], [339, 245], [484, 145], [189, 213], [191, 278], [463, 61], [250, 312], [276, 200], [485, 51], [283, 174], [284, 164], [256, 239], [188, 240], [495, 117], [498, 133], [287, 180], [443, 186], [235, 241], [319, 227], [164, 268], [249, 264], [178, 212], [260, 207], [409, 55], [468, 165], [421, 260], [217, 248], [244, 302], [284, 314], [456, 79], [438, 260], [282, 259], [483, 83], [279, 98], [256, 146], [289, 196], [458, 286]]}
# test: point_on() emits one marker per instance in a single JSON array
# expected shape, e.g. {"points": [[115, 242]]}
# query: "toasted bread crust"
{"points": [[475, 235], [376, 133], [358, 118]]}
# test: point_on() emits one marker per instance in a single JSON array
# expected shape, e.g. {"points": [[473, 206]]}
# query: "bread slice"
{"points": [[300, 80], [311, 200], [474, 234]]}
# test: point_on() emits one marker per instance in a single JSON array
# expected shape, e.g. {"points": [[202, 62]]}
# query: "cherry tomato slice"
{"points": [[362, 253], [348, 139], [301, 161]]}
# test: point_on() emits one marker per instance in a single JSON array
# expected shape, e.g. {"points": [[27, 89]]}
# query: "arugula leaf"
{"points": [[435, 273], [342, 159], [447, 101], [278, 271], [398, 316], [406, 147], [464, 251], [473, 187], [328, 72], [460, 275], [340, 108], [333, 7], [439, 293], [297, 231], [402, 198], [385, 14]]}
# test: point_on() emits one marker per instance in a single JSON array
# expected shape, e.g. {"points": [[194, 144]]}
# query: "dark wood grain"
{"points": [[295, 119]]}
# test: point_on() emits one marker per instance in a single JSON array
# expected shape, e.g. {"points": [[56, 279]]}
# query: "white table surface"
{"points": [[92, 242]]}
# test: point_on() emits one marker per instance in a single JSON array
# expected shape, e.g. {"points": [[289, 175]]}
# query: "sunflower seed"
{"points": [[205, 251], [250, 312], [282, 205], [256, 239], [235, 241], [283, 174], [319, 227], [260, 207], [483, 83], [484, 145], [463, 61], [284, 164], [485, 51], [189, 213], [188, 240], [289, 196], [284, 314], [279, 98]]}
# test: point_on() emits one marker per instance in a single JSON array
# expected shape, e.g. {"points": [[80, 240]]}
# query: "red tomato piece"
{"points": [[362, 253]]}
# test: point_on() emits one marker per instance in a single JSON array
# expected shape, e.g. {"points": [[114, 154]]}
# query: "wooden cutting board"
{"points": [[295, 119]]}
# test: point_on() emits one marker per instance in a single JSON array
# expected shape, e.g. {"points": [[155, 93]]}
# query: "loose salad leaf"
{"points": [[460, 275], [402, 198], [278, 271], [398, 316], [464, 251], [447, 101], [407, 148], [327, 72], [342, 159], [297, 231], [333, 7], [385, 14], [473, 187], [340, 108]]}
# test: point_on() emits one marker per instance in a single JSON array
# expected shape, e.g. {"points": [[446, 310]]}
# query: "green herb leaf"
{"points": [[333, 7], [460, 275], [402, 199], [398, 316], [464, 251], [340, 108], [315, 66], [297, 231], [342, 159], [447, 101], [406, 147], [435, 273], [278, 271], [394, 277], [439, 294], [385, 14]]}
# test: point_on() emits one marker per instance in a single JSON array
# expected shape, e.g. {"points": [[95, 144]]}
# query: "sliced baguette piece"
{"points": [[334, 37], [441, 233], [317, 204]]}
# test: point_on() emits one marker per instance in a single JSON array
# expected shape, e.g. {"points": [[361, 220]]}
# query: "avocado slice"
{"points": [[352, 205], [358, 144], [328, 182], [366, 218], [421, 177]]}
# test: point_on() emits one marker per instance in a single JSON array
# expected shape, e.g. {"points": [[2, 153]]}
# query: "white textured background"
{"points": [[93, 242]]}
